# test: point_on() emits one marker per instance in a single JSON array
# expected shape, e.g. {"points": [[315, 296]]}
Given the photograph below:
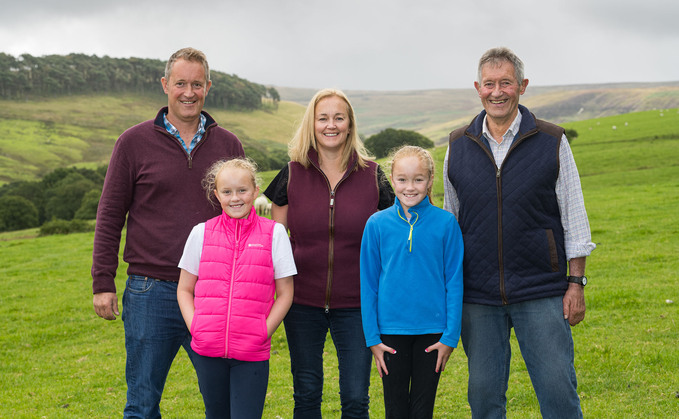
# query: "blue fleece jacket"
{"points": [[411, 274]]}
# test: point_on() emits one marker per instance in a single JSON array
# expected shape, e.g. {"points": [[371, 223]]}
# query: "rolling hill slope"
{"points": [[435, 113], [39, 136]]}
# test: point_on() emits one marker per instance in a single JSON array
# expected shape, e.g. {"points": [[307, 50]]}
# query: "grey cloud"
{"points": [[354, 44]]}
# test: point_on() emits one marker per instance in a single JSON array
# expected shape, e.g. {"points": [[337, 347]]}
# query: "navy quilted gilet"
{"points": [[509, 216]]}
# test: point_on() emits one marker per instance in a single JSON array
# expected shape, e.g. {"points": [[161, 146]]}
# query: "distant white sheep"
{"points": [[262, 205]]}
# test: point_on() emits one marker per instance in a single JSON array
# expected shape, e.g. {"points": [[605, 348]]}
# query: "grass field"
{"points": [[40, 136], [58, 360], [44, 134]]}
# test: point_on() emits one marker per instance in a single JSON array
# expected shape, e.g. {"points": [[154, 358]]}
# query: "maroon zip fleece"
{"points": [[326, 228], [153, 183]]}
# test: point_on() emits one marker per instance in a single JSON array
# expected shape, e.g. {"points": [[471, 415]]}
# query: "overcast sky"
{"points": [[364, 44]]}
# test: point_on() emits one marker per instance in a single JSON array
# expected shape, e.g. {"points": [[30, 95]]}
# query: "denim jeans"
{"points": [[306, 329], [154, 331], [546, 344], [232, 388], [410, 387]]}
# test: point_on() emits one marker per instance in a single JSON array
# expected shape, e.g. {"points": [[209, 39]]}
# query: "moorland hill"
{"points": [[435, 113], [39, 135]]}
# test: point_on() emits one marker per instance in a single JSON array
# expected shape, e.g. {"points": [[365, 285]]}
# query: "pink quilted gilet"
{"points": [[235, 289]]}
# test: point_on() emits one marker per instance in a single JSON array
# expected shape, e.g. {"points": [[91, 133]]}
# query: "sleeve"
{"points": [[116, 197], [370, 274], [577, 235], [385, 189], [450, 200], [193, 249], [453, 252], [277, 191], [281, 253]]}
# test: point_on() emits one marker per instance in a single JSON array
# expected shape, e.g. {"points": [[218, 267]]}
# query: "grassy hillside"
{"points": [[434, 113], [40, 136], [58, 360]]}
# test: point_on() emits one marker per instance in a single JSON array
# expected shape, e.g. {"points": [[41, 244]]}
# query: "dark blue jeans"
{"points": [[154, 331], [306, 329], [232, 388], [546, 344]]}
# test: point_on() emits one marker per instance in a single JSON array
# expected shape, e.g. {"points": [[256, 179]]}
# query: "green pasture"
{"points": [[58, 360], [43, 135]]}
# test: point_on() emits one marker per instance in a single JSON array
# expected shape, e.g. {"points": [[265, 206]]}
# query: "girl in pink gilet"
{"points": [[232, 267]]}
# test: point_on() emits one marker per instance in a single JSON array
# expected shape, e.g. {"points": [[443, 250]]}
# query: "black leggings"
{"points": [[410, 386]]}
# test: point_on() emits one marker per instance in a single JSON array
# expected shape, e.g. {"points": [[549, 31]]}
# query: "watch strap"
{"points": [[582, 280]]}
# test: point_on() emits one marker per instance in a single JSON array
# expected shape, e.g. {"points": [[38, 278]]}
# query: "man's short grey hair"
{"points": [[496, 56], [188, 54]]}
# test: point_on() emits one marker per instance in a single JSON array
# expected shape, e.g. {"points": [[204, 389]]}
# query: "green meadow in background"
{"points": [[59, 360]]}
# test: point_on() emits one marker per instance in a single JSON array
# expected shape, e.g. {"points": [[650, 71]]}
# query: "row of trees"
{"points": [[26, 77], [73, 193], [267, 154], [383, 142], [64, 194]]}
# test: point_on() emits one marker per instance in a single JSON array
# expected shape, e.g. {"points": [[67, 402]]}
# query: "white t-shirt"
{"points": [[281, 252]]}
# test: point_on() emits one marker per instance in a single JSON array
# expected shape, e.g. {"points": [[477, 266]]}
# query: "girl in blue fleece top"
{"points": [[411, 288]]}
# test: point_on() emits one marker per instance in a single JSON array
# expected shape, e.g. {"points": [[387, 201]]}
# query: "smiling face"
{"points": [[499, 91], [186, 89], [412, 181], [331, 124], [236, 191]]}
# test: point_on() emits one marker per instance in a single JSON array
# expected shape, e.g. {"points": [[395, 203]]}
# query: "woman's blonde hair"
{"points": [[305, 138], [423, 155], [209, 182]]}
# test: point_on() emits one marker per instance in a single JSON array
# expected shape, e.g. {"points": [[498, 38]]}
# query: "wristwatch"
{"points": [[582, 280]]}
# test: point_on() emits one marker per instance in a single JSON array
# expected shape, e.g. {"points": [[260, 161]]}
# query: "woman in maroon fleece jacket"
{"points": [[324, 197]]}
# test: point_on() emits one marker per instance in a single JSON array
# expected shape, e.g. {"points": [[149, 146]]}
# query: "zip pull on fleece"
{"points": [[410, 234]]}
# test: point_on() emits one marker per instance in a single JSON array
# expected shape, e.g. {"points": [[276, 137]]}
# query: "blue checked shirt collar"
{"points": [[196, 137]]}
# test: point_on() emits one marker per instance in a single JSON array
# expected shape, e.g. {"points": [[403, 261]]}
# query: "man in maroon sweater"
{"points": [[153, 183]]}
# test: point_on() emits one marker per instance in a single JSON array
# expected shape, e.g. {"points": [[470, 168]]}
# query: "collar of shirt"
{"points": [[500, 150], [172, 130]]}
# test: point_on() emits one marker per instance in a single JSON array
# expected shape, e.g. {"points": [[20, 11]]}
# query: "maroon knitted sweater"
{"points": [[155, 185]]}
